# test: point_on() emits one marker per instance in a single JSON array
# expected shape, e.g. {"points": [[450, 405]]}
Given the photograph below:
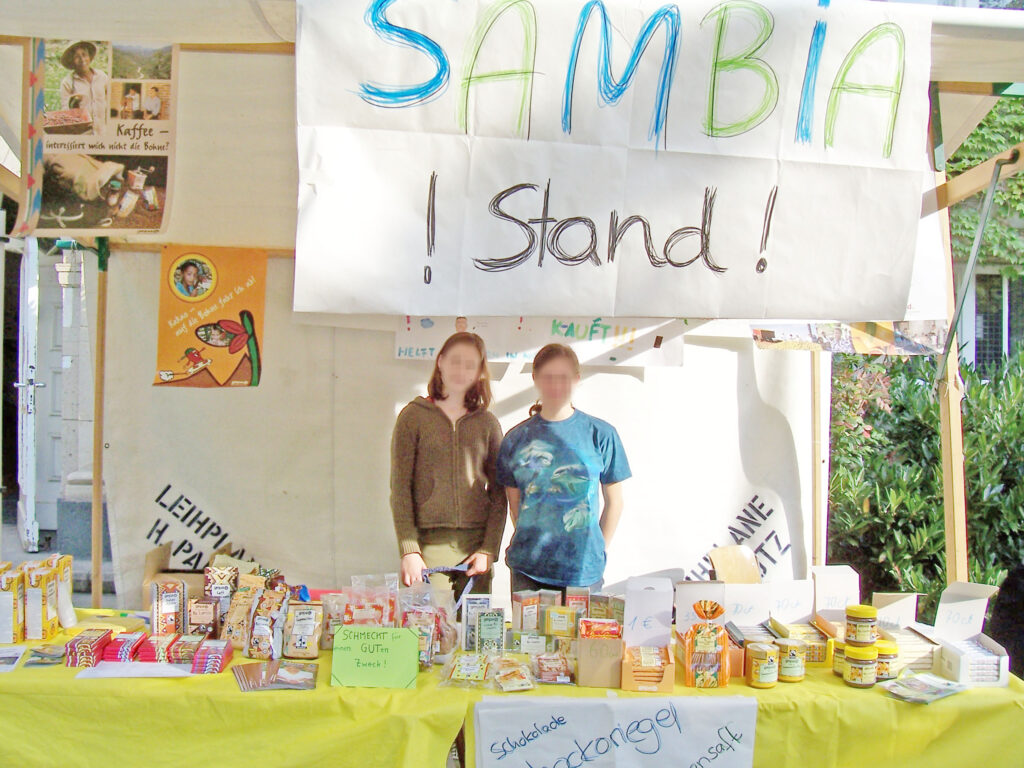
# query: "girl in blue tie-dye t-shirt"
{"points": [[555, 467]]}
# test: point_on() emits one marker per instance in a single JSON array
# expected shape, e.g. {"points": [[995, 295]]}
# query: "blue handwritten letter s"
{"points": [[609, 88], [403, 95]]}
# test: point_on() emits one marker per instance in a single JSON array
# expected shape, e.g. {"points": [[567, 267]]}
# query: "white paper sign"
{"points": [[639, 732], [648, 611], [537, 157], [629, 341]]}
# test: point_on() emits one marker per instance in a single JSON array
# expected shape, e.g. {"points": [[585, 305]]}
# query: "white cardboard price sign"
{"points": [[624, 733]]}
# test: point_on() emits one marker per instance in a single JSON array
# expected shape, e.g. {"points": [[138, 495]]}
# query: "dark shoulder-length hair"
{"points": [[478, 395], [553, 352]]}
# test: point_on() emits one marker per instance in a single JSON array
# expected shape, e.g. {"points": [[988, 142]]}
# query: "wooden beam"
{"points": [[284, 48], [100, 370], [970, 182], [149, 247], [976, 89], [951, 393], [821, 406], [10, 184]]}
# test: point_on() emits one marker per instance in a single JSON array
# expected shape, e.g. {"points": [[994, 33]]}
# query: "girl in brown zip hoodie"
{"points": [[447, 506]]}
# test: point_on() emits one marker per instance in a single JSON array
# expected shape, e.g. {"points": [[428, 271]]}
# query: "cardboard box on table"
{"points": [[599, 662], [157, 568], [648, 622], [665, 685], [961, 616]]}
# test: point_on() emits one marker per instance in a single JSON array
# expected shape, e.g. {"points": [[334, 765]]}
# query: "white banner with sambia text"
{"points": [[730, 159]]}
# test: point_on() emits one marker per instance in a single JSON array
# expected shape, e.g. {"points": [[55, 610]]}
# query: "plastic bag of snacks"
{"points": [[706, 648], [266, 629], [334, 606], [417, 612], [235, 628], [467, 670], [554, 668], [448, 627], [369, 607], [512, 675], [383, 587], [303, 625]]}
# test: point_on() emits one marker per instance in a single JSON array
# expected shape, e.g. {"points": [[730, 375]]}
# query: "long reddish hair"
{"points": [[478, 395], [544, 356]]}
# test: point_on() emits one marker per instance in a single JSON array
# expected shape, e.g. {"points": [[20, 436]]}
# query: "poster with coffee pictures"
{"points": [[98, 151]]}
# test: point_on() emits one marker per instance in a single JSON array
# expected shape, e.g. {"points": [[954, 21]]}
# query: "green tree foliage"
{"points": [[885, 492], [1003, 245]]}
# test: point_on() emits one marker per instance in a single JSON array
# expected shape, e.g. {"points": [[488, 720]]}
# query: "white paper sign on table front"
{"points": [[626, 733]]}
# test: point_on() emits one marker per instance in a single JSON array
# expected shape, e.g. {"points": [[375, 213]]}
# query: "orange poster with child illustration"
{"points": [[211, 317]]}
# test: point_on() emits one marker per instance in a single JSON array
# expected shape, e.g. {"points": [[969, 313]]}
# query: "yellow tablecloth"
{"points": [[823, 723], [47, 717]]}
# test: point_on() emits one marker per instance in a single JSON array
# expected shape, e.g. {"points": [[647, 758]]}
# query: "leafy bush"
{"points": [[886, 513], [1003, 245]]}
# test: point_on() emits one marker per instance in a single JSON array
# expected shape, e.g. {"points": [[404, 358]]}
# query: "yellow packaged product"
{"points": [[41, 621], [12, 607], [65, 607], [706, 648], [762, 665]]}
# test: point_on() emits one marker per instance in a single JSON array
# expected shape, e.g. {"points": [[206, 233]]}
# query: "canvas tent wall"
{"points": [[297, 469]]}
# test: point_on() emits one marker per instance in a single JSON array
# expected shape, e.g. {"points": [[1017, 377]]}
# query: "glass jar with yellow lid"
{"points": [[838, 657], [888, 656], [861, 625], [860, 665]]}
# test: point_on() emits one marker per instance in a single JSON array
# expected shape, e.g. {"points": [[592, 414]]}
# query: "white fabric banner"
{"points": [[539, 157]]}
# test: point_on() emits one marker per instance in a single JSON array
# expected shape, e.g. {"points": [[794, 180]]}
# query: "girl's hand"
{"points": [[478, 563], [412, 568]]}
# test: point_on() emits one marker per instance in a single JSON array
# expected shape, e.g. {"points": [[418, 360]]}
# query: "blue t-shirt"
{"points": [[559, 467]]}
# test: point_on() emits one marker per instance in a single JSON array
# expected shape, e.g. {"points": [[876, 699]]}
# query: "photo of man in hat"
{"points": [[85, 87]]}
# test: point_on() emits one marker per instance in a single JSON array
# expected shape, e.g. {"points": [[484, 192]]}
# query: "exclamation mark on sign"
{"points": [[408, 323], [520, 326], [766, 228], [431, 225]]}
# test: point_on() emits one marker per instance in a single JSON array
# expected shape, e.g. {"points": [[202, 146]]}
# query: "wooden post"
{"points": [[950, 387], [103, 254], [951, 392], [821, 406]]}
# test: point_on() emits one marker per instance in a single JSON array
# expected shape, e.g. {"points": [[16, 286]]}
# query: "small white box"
{"points": [[953, 662]]}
